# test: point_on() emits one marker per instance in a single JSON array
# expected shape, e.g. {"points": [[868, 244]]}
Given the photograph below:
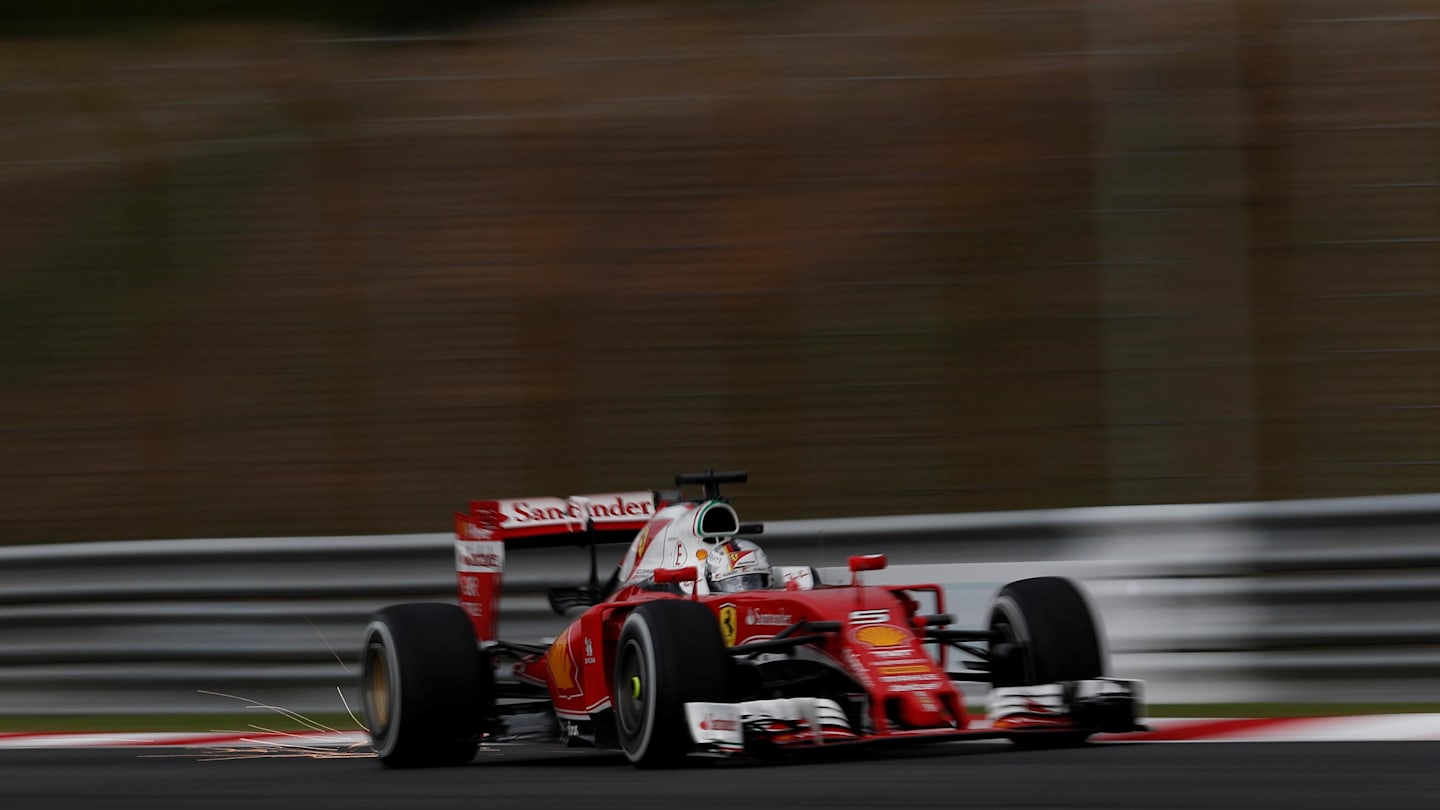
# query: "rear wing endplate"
{"points": [[484, 532]]}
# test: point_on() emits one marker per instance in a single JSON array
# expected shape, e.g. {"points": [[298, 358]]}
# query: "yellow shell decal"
{"points": [[559, 662], [907, 669], [882, 635], [729, 624]]}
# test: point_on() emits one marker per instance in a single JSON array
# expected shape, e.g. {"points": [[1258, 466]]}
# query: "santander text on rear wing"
{"points": [[482, 534]]}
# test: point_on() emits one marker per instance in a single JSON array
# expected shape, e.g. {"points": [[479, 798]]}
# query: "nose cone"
{"points": [[923, 710]]}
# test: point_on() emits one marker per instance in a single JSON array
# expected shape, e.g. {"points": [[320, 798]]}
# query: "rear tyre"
{"points": [[424, 686], [1045, 632], [670, 653]]}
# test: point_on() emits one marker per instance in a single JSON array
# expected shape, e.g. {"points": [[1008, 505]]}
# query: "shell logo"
{"points": [[882, 635], [562, 668]]}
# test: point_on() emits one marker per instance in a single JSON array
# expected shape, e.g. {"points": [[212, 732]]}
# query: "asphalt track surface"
{"points": [[990, 775]]}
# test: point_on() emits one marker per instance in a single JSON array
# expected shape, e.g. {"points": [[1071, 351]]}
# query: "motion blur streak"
{"points": [[299, 748], [915, 256]]}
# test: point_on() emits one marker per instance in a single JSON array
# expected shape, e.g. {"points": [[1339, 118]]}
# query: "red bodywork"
{"points": [[879, 642]]}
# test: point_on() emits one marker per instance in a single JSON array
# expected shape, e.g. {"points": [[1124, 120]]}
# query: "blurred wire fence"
{"points": [[895, 257]]}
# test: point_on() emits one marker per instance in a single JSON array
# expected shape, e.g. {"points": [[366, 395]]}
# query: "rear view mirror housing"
{"points": [[865, 562]]}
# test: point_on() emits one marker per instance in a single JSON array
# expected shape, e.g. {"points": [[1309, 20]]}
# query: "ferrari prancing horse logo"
{"points": [[729, 624]]}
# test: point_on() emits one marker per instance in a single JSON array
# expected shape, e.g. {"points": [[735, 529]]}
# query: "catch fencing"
{"points": [[1328, 600]]}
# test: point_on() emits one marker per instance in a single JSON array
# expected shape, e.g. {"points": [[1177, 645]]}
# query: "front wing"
{"points": [[755, 726]]}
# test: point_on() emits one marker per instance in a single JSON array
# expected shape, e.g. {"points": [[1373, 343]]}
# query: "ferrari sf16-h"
{"points": [[696, 646]]}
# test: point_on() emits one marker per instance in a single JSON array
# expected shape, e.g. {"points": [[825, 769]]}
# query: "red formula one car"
{"points": [[697, 646]]}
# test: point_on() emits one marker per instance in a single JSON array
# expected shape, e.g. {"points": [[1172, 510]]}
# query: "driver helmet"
{"points": [[737, 565]]}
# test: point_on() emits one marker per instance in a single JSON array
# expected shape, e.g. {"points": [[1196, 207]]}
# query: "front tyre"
{"points": [[1044, 632], [424, 686], [670, 652]]}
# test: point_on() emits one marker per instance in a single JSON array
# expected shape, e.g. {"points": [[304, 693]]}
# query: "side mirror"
{"points": [[865, 562], [665, 576]]}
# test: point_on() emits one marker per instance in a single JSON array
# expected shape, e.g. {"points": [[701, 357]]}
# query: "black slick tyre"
{"points": [[1045, 632], [423, 686], [670, 652]]}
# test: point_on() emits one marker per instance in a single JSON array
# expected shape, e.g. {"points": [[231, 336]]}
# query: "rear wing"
{"points": [[483, 533]]}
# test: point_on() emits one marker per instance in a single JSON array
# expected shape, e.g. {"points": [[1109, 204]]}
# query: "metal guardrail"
{"points": [[1303, 600]]}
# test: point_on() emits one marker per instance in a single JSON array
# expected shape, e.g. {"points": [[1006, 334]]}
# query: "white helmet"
{"points": [[737, 565]]}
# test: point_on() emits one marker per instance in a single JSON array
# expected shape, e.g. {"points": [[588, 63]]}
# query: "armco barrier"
{"points": [[1283, 601]]}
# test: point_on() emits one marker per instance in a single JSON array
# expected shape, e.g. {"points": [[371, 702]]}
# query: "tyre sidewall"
{"points": [[638, 637], [378, 635], [685, 660], [1007, 608]]}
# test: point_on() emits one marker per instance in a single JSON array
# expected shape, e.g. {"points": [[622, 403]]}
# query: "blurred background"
{"points": [[276, 268]]}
